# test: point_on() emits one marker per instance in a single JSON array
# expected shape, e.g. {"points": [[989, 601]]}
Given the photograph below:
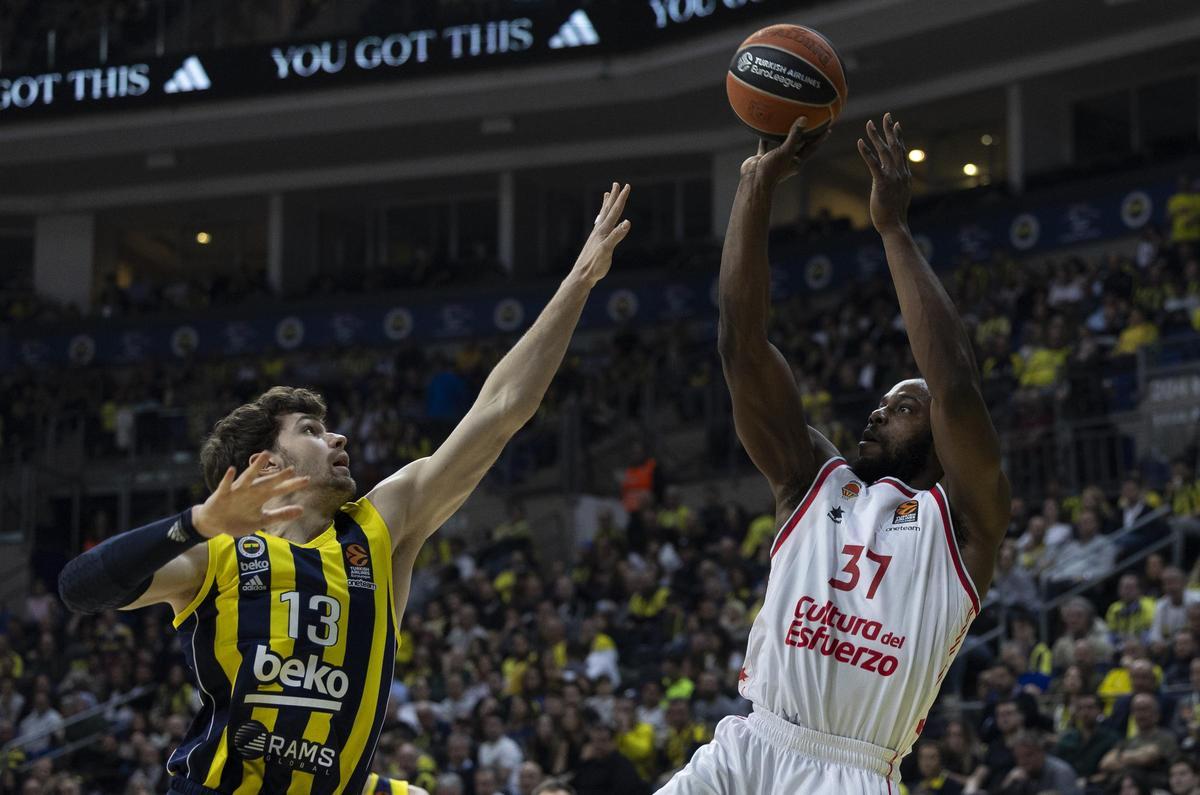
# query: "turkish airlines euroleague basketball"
{"points": [[784, 72]]}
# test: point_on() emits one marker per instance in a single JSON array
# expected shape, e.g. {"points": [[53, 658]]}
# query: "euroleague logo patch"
{"points": [[851, 490], [906, 512], [359, 568]]}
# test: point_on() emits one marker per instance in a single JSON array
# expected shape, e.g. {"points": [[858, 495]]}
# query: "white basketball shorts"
{"points": [[764, 754]]}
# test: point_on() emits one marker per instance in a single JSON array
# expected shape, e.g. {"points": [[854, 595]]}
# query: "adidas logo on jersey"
{"points": [[577, 31], [189, 77], [255, 583]]}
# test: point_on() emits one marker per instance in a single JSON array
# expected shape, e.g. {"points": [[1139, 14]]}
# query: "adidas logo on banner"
{"points": [[255, 583], [577, 31], [189, 77]]}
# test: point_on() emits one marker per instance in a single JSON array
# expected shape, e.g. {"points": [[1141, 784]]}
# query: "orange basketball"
{"points": [[784, 72]]}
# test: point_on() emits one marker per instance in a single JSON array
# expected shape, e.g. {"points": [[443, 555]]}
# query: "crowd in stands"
{"points": [[611, 669]]}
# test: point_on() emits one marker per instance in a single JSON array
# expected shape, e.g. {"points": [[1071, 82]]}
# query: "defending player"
{"points": [[291, 629], [874, 577]]}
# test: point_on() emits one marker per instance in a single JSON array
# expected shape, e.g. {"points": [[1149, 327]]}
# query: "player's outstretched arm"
{"points": [[964, 437], [418, 499], [767, 411], [165, 561]]}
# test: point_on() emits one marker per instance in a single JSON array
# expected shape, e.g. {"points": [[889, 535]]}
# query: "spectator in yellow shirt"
{"points": [[684, 735], [1133, 613], [760, 531], [635, 739], [1138, 334]]}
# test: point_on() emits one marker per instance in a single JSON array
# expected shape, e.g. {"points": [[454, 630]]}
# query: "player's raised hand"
{"points": [[774, 164], [236, 506], [886, 157], [596, 257]]}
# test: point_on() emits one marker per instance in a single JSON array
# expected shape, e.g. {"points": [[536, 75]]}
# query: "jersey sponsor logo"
{"points": [[255, 583], [908, 528], [851, 490], [824, 629], [906, 512], [253, 740], [252, 566], [323, 685], [359, 574], [251, 547], [836, 514]]}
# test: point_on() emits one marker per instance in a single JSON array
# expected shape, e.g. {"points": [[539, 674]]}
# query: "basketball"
{"points": [[783, 72]]}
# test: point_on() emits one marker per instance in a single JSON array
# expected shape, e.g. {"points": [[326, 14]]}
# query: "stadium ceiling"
{"points": [[666, 100]]}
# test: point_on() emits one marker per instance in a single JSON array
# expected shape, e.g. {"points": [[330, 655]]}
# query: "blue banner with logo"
{"points": [[1032, 229]]}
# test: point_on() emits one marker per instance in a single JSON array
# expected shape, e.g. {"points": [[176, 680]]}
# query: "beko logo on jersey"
{"points": [[310, 675], [253, 740], [247, 566]]}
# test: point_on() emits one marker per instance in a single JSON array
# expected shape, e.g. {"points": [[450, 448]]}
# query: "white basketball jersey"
{"points": [[867, 604]]}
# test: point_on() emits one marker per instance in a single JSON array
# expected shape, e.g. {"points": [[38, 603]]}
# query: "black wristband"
{"points": [[118, 571]]}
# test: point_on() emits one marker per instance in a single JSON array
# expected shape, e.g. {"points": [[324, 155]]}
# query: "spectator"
{"points": [[1080, 623], [1012, 584], [1088, 555], [487, 782], [1183, 779], [554, 787], [934, 778], [635, 739], [1144, 679], [998, 760], [1088, 740], [529, 775], [1170, 612], [1147, 751], [1133, 613], [1058, 532], [1035, 550], [1036, 771], [1183, 652], [498, 750], [602, 769], [684, 735], [43, 722], [960, 752]]}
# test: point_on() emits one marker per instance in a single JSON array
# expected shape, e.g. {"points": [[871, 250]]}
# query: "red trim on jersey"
{"points": [[967, 585], [798, 514], [903, 489]]}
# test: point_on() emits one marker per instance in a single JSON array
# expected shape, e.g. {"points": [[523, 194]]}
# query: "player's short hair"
{"points": [[252, 427]]}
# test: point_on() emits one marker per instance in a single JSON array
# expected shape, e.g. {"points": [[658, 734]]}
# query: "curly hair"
{"points": [[253, 427]]}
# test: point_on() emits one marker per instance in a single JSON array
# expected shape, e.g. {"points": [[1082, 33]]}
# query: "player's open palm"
{"points": [[774, 164], [596, 257], [886, 157], [237, 506]]}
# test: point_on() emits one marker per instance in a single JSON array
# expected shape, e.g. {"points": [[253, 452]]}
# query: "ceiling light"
{"points": [[970, 169], [916, 155], [986, 139], [203, 238]]}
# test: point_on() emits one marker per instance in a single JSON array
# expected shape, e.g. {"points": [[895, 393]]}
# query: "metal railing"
{"points": [[112, 703], [1174, 539]]}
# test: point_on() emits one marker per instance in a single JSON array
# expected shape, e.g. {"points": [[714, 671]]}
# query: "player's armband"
{"points": [[118, 571]]}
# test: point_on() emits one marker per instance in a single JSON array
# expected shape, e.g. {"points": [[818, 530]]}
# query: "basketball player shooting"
{"points": [[287, 595], [879, 564]]}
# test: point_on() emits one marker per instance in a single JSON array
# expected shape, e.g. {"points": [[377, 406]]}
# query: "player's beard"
{"points": [[903, 462]]}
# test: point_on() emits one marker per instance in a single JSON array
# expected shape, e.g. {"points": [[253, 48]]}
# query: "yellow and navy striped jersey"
{"points": [[379, 785], [293, 648]]}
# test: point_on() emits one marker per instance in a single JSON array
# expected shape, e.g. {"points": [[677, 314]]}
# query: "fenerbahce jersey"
{"points": [[867, 604], [293, 648]]}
